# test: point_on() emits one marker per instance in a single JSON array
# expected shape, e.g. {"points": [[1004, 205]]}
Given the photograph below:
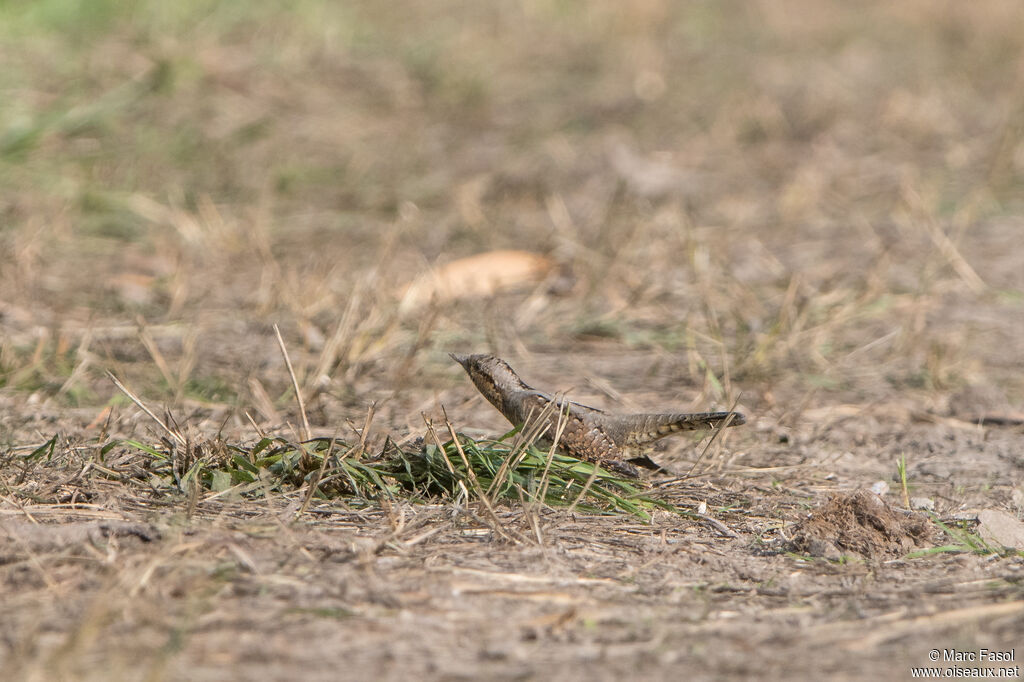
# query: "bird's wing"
{"points": [[584, 434], [640, 429], [560, 403]]}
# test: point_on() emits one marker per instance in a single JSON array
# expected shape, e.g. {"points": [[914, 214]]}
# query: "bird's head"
{"points": [[491, 375]]}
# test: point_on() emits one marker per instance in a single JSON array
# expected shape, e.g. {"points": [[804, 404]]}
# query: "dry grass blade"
{"points": [[531, 431], [819, 230], [365, 431], [176, 435], [584, 490], [485, 500], [315, 482], [563, 419], [437, 441], [716, 524], [307, 433], [714, 437]]}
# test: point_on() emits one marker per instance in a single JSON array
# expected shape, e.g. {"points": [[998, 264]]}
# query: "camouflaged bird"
{"points": [[611, 440]]}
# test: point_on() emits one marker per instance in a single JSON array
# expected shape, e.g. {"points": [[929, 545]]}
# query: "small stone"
{"points": [[999, 528], [880, 487], [924, 503]]}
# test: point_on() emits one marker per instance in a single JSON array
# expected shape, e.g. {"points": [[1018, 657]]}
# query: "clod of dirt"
{"points": [[860, 523]]}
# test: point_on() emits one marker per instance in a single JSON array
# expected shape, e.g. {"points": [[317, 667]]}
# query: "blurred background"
{"points": [[644, 201]]}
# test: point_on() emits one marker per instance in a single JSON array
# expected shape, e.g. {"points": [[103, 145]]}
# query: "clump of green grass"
{"points": [[496, 470], [268, 465], [460, 470]]}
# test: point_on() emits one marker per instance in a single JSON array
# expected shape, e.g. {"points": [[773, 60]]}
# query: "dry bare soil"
{"points": [[808, 210]]}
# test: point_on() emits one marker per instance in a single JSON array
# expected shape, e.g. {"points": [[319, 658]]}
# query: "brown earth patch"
{"points": [[861, 523]]}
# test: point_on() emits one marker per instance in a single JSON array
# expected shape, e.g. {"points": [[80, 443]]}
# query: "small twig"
{"points": [[586, 488], [716, 524], [362, 435], [529, 433], [563, 420], [255, 426], [306, 432], [484, 499], [715, 436], [437, 441], [142, 406]]}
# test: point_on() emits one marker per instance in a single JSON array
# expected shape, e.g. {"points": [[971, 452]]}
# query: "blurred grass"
{"points": [[795, 197]]}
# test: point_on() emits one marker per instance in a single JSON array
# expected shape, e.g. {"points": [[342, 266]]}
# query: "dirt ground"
{"points": [[807, 210]]}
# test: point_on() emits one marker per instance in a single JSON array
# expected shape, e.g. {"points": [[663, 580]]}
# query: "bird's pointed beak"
{"points": [[459, 358]]}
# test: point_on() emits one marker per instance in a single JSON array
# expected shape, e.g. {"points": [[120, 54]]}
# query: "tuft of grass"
{"points": [[461, 471], [268, 465], [501, 471]]}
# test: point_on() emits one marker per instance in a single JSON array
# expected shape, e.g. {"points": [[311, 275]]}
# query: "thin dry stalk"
{"points": [[188, 360], [532, 519], [534, 429], [307, 433], [475, 482], [12, 499], [335, 347], [586, 488], [563, 419], [256, 428], [942, 242], [176, 435], [364, 433], [193, 496], [440, 446], [715, 436], [263, 402], [423, 330]]}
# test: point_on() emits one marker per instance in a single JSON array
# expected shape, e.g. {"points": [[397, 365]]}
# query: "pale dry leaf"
{"points": [[478, 276]]}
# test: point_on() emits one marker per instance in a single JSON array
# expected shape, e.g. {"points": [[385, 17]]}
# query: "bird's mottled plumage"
{"points": [[589, 433]]}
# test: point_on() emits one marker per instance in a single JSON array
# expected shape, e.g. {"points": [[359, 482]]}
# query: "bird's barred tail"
{"points": [[651, 427]]}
